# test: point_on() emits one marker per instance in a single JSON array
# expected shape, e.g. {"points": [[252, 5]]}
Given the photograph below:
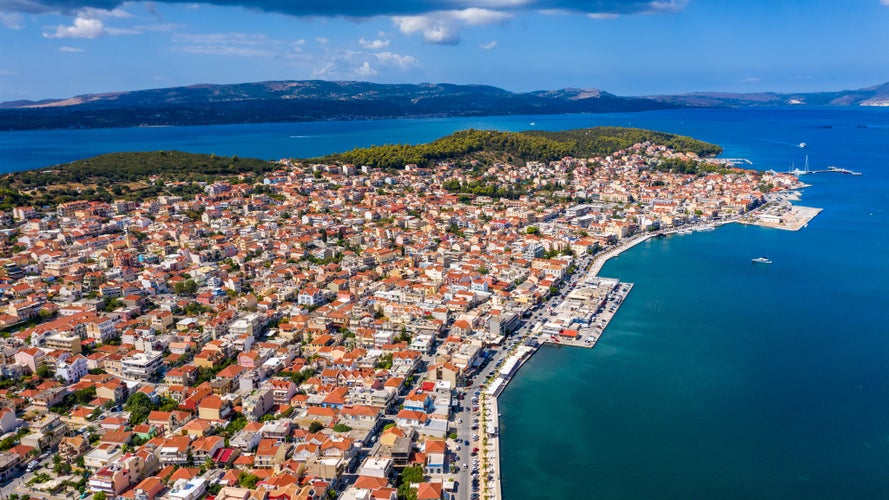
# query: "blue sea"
{"points": [[717, 378]]}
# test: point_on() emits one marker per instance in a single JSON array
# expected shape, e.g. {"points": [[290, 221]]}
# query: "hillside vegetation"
{"points": [[127, 175], [489, 145], [121, 175]]}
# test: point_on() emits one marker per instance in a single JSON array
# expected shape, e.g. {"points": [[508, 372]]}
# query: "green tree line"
{"points": [[517, 146]]}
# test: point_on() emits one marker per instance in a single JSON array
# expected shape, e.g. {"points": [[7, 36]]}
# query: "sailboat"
{"points": [[797, 172]]}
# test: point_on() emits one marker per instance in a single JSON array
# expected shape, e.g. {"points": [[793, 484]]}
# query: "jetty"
{"points": [[835, 170]]}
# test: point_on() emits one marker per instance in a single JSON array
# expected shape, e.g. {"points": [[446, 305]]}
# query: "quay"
{"points": [[578, 320], [781, 215]]}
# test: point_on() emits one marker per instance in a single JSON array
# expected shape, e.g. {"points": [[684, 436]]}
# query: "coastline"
{"points": [[494, 387], [491, 390]]}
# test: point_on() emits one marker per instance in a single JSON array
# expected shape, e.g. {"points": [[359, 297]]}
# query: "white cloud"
{"points": [[664, 6], [121, 31], [322, 40], [442, 27], [365, 70], [82, 28], [227, 44], [477, 17], [12, 20], [751, 79], [602, 15], [88, 24], [434, 30], [93, 13], [884, 2], [373, 44], [70, 49], [157, 27], [296, 52], [350, 64], [488, 46], [400, 60]]}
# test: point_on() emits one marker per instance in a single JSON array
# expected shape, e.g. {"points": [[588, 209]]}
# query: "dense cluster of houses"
{"points": [[281, 323]]}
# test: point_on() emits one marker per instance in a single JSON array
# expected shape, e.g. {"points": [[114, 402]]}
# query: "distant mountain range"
{"points": [[283, 101], [877, 95]]}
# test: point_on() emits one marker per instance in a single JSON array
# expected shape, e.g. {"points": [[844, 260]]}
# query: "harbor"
{"points": [[578, 320]]}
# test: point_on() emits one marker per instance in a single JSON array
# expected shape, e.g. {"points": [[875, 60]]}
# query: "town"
{"points": [[323, 331]]}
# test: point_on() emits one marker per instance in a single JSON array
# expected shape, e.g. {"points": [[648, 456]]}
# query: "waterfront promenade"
{"points": [[488, 441]]}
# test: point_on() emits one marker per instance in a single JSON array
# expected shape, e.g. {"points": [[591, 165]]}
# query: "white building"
{"points": [[142, 366], [72, 368]]}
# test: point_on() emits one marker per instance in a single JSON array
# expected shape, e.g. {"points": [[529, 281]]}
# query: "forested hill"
{"points": [[294, 101], [115, 168], [489, 145], [122, 175]]}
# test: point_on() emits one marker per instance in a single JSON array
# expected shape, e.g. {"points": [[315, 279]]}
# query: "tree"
{"points": [[62, 468], [99, 496], [533, 230], [385, 361], [187, 287], [341, 428], [237, 423], [248, 481], [315, 426], [44, 372], [139, 405], [410, 475]]}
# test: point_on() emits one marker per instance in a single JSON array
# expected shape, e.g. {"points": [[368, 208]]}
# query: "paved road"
{"points": [[464, 418], [496, 356]]}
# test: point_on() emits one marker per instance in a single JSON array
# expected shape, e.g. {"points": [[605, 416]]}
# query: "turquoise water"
{"points": [[717, 378], [723, 379]]}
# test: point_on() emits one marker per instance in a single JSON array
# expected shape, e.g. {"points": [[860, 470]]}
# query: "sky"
{"points": [[63, 48]]}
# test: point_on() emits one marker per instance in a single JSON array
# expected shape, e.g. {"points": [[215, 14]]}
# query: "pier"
{"points": [[835, 170]]}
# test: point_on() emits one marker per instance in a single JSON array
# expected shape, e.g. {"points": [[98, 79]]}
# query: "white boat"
{"points": [[797, 172], [803, 145], [762, 260]]}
